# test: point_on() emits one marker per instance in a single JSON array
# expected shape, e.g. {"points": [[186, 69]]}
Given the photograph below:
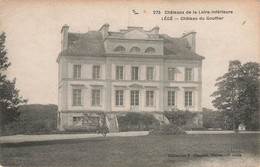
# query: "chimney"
{"points": [[64, 37], [104, 30], [155, 30], [191, 37]]}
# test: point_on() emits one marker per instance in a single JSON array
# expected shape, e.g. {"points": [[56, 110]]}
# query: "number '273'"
{"points": [[156, 12]]}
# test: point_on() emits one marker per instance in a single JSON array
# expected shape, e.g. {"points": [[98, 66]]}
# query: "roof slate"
{"points": [[178, 48], [91, 44]]}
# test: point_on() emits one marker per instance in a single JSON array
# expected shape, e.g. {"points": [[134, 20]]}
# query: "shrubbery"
{"points": [[85, 129], [103, 130], [179, 118], [211, 119], [189, 127], [167, 130], [27, 127], [78, 128], [216, 120], [33, 119], [136, 121]]}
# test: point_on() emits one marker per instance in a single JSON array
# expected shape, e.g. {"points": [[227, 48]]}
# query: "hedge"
{"points": [[133, 121]]}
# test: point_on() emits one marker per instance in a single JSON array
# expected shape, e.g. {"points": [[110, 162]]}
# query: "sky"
{"points": [[33, 36]]}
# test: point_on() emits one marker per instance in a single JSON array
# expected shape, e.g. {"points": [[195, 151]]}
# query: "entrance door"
{"points": [[134, 100]]}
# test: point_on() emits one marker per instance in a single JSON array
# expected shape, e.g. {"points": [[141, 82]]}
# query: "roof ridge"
{"points": [[91, 44]]}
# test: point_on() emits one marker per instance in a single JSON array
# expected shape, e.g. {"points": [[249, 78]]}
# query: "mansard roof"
{"points": [[91, 44], [88, 44], [178, 48]]}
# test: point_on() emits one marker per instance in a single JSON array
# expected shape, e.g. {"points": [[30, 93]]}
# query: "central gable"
{"points": [[135, 34]]}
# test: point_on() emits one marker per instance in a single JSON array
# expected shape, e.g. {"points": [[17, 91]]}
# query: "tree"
{"points": [[9, 95], [237, 95]]}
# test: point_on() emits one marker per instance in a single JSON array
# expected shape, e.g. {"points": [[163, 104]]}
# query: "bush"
{"points": [[254, 124], [103, 130], [167, 130], [85, 129], [179, 118], [25, 127], [12, 129], [34, 118], [78, 128], [136, 121], [212, 119], [217, 119], [192, 127]]}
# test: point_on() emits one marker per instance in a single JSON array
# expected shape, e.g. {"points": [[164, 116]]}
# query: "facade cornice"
{"points": [[101, 111], [135, 39], [129, 81], [178, 57], [130, 55]]}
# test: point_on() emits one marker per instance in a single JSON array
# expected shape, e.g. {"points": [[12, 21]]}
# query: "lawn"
{"points": [[170, 150]]}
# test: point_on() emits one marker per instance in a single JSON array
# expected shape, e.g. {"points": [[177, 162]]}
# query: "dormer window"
{"points": [[135, 50], [119, 49], [150, 50]]}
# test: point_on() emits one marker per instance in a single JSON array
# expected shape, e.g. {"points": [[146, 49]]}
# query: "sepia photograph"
{"points": [[130, 83]]}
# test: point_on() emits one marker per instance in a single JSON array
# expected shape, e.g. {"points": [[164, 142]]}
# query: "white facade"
{"points": [[131, 79]]}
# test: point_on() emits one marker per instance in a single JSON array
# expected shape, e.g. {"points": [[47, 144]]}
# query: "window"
{"points": [[149, 73], [171, 98], [119, 49], [171, 73], [119, 72], [135, 50], [149, 98], [188, 98], [77, 121], [96, 72], [135, 98], [77, 71], [119, 97], [135, 73], [95, 97], [188, 74], [76, 97], [150, 50]]}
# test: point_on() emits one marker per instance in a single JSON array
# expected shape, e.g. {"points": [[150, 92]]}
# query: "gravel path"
{"points": [[221, 132], [28, 138]]}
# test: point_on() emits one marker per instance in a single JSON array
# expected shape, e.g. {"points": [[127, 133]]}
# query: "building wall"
{"points": [[108, 84]]}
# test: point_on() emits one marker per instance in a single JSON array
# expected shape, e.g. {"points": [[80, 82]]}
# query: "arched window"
{"points": [[150, 50], [135, 50], [119, 49]]}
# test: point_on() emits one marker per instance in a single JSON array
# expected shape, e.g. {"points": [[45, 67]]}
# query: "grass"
{"points": [[136, 151]]}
